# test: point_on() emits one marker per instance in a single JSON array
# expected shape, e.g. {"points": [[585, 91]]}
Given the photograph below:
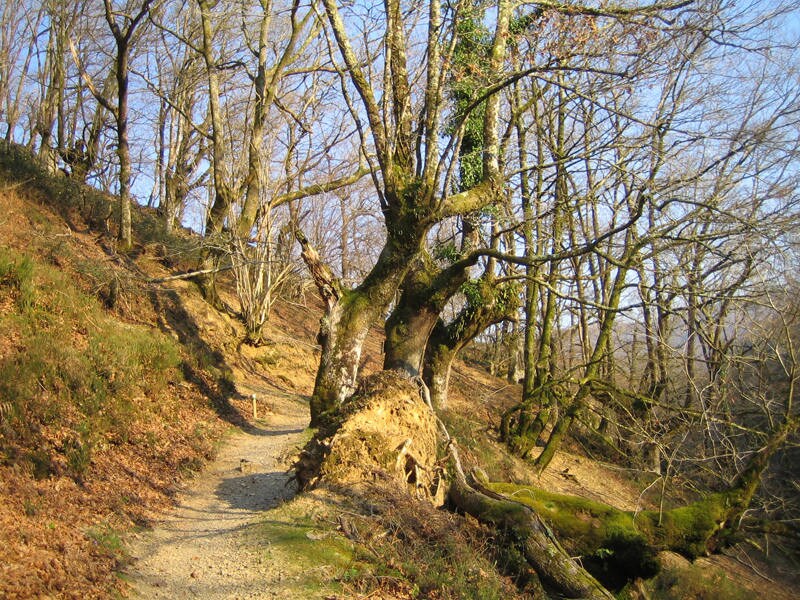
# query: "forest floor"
{"points": [[228, 529]]}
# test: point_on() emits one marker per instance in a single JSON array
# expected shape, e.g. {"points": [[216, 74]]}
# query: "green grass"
{"points": [[311, 545], [16, 274], [314, 557], [404, 549], [108, 539]]}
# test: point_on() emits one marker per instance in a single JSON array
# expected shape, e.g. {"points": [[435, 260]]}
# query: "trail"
{"points": [[206, 547]]}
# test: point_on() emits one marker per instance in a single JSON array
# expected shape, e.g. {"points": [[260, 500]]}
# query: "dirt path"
{"points": [[204, 548]]}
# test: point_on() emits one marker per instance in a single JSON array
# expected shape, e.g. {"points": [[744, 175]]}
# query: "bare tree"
{"points": [[20, 23], [409, 173], [123, 23]]}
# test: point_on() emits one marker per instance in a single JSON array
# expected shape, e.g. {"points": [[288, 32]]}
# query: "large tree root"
{"points": [[534, 539]]}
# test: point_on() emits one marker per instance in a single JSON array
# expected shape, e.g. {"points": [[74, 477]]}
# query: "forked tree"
{"points": [[402, 103]]}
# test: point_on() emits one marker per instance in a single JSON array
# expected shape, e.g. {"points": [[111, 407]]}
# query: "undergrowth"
{"points": [[80, 204], [68, 366], [477, 447], [696, 582], [409, 547], [19, 165]]}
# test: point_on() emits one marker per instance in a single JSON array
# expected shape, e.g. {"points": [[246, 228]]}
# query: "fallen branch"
{"points": [[189, 275]]}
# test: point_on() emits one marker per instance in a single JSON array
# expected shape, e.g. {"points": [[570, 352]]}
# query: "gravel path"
{"points": [[204, 549]]}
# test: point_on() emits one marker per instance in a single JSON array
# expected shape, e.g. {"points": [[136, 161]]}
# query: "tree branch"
{"points": [[320, 188]]}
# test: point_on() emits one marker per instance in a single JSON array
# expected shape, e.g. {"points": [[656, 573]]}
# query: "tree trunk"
{"points": [[438, 363], [407, 334], [342, 332], [592, 368], [535, 540], [534, 410], [124, 234], [491, 303], [348, 316], [426, 291], [56, 80], [522, 425], [123, 39], [563, 423], [408, 189], [341, 335], [412, 320]]}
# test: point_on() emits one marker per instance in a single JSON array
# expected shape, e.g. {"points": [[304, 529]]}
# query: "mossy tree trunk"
{"points": [[593, 368], [628, 252], [628, 259], [350, 313], [223, 194], [492, 303], [523, 424], [692, 530], [408, 169], [426, 289], [80, 155], [524, 528], [748, 480]]}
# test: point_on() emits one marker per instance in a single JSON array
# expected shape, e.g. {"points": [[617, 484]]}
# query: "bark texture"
{"points": [[537, 543]]}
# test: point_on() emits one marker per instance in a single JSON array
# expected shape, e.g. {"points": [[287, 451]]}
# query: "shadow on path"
{"points": [[263, 432], [257, 491]]}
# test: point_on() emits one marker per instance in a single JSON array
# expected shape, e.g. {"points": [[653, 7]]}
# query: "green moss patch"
{"points": [[309, 556], [589, 525], [617, 545]]}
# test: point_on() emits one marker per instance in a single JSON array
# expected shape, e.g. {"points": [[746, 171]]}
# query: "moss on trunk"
{"points": [[588, 527], [342, 332], [426, 290], [350, 313], [522, 527], [488, 303]]}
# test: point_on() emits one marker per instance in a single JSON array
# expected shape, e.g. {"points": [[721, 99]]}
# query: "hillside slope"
{"points": [[115, 390]]}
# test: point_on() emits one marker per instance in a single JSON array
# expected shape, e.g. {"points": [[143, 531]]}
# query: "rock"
{"points": [[247, 466]]}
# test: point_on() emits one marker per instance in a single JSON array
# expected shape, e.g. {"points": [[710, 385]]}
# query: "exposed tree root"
{"points": [[535, 540]]}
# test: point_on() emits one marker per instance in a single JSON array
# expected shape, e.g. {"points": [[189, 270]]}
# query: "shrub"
{"points": [[64, 194]]}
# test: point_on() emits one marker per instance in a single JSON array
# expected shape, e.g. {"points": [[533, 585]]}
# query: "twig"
{"points": [[189, 275], [749, 564], [13, 186]]}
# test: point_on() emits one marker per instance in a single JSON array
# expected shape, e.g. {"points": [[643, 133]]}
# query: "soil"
{"points": [[205, 548]]}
